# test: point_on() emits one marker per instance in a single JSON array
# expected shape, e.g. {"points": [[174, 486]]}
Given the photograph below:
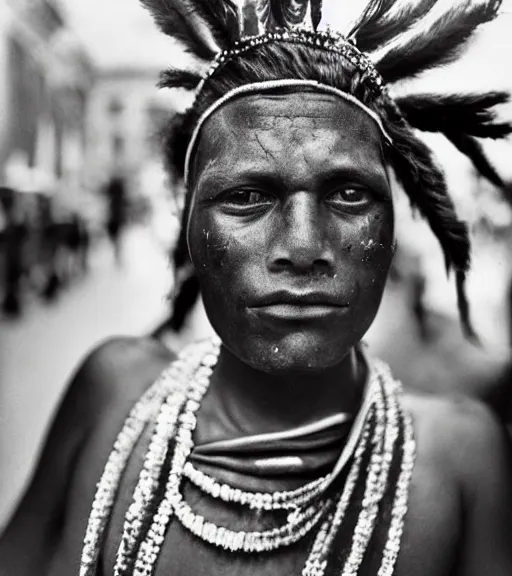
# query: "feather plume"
{"points": [[425, 185], [437, 44], [179, 79], [374, 12], [386, 25], [271, 14], [470, 114], [464, 311], [493, 130], [289, 13], [316, 12], [184, 21], [223, 17]]}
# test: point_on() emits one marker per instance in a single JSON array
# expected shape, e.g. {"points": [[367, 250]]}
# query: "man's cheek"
{"points": [[375, 249]]}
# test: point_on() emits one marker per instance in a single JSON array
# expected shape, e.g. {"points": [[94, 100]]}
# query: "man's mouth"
{"points": [[288, 305]]}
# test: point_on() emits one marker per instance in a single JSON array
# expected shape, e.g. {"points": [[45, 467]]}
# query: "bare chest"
{"points": [[428, 548]]}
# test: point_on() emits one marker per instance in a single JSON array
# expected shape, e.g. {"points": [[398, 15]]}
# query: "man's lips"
{"points": [[298, 312], [298, 305], [298, 299]]}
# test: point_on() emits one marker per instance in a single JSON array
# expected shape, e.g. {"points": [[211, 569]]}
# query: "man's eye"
{"points": [[246, 198], [350, 196]]}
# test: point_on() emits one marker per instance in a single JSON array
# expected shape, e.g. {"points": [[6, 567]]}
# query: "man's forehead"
{"points": [[307, 108], [315, 127]]}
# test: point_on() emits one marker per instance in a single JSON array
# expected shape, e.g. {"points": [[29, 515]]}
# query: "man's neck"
{"points": [[246, 401]]}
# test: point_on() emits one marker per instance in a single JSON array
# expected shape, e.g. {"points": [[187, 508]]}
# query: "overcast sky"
{"points": [[119, 33]]}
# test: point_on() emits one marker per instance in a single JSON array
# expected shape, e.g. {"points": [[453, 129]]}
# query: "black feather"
{"points": [[222, 17], [374, 12], [425, 185], [286, 15], [179, 79], [439, 44], [471, 148], [316, 12], [382, 29], [179, 19], [493, 130], [470, 114], [464, 310]]}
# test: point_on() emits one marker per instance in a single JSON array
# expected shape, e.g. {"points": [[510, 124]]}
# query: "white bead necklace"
{"points": [[255, 500], [142, 413], [167, 420], [178, 394], [298, 525]]}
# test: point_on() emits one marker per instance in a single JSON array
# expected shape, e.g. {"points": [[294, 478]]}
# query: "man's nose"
{"points": [[301, 242]]}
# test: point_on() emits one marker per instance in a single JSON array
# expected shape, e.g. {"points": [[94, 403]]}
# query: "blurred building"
{"points": [[45, 79], [126, 116]]}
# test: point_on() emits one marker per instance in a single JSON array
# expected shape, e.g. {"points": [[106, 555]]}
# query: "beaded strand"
{"points": [[150, 547], [299, 524], [126, 440], [180, 390], [254, 500], [376, 484], [148, 479], [399, 510], [316, 562], [322, 545]]}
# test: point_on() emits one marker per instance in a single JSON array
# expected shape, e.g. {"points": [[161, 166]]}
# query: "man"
{"points": [[115, 193], [13, 239], [285, 449]]}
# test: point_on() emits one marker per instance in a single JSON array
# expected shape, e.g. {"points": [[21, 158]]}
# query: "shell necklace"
{"points": [[177, 397]]}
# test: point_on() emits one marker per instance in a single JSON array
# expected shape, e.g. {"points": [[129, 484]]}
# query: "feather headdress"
{"points": [[402, 39], [381, 45]]}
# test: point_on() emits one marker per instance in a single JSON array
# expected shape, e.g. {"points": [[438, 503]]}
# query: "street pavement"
{"points": [[39, 353]]}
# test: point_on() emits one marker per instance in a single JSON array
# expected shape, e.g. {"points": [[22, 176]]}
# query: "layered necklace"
{"points": [[381, 435]]}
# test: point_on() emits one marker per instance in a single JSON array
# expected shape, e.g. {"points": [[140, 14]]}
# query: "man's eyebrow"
{"points": [[214, 175], [353, 171], [219, 177]]}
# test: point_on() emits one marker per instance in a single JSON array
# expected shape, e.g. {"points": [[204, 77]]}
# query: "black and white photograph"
{"points": [[255, 288]]}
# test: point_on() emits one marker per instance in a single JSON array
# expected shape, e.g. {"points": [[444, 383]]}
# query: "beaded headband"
{"points": [[269, 86], [327, 40]]}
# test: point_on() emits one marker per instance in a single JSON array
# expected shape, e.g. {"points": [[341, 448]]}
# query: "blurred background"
{"points": [[89, 220]]}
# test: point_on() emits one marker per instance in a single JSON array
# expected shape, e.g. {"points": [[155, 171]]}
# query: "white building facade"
{"points": [[45, 79]]}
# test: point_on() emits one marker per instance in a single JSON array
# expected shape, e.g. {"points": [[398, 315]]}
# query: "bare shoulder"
{"points": [[460, 503], [120, 369], [101, 393], [458, 427], [111, 377]]}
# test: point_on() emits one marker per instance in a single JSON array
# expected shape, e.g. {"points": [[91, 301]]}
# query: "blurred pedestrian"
{"points": [[13, 242], [49, 249], [116, 193]]}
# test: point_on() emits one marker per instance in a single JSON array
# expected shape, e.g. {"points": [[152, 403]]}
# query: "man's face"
{"points": [[291, 228]]}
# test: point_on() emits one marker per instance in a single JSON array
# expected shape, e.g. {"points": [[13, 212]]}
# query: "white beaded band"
{"points": [[267, 87]]}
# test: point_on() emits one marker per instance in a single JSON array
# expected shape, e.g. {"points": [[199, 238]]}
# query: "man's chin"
{"points": [[287, 357]]}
